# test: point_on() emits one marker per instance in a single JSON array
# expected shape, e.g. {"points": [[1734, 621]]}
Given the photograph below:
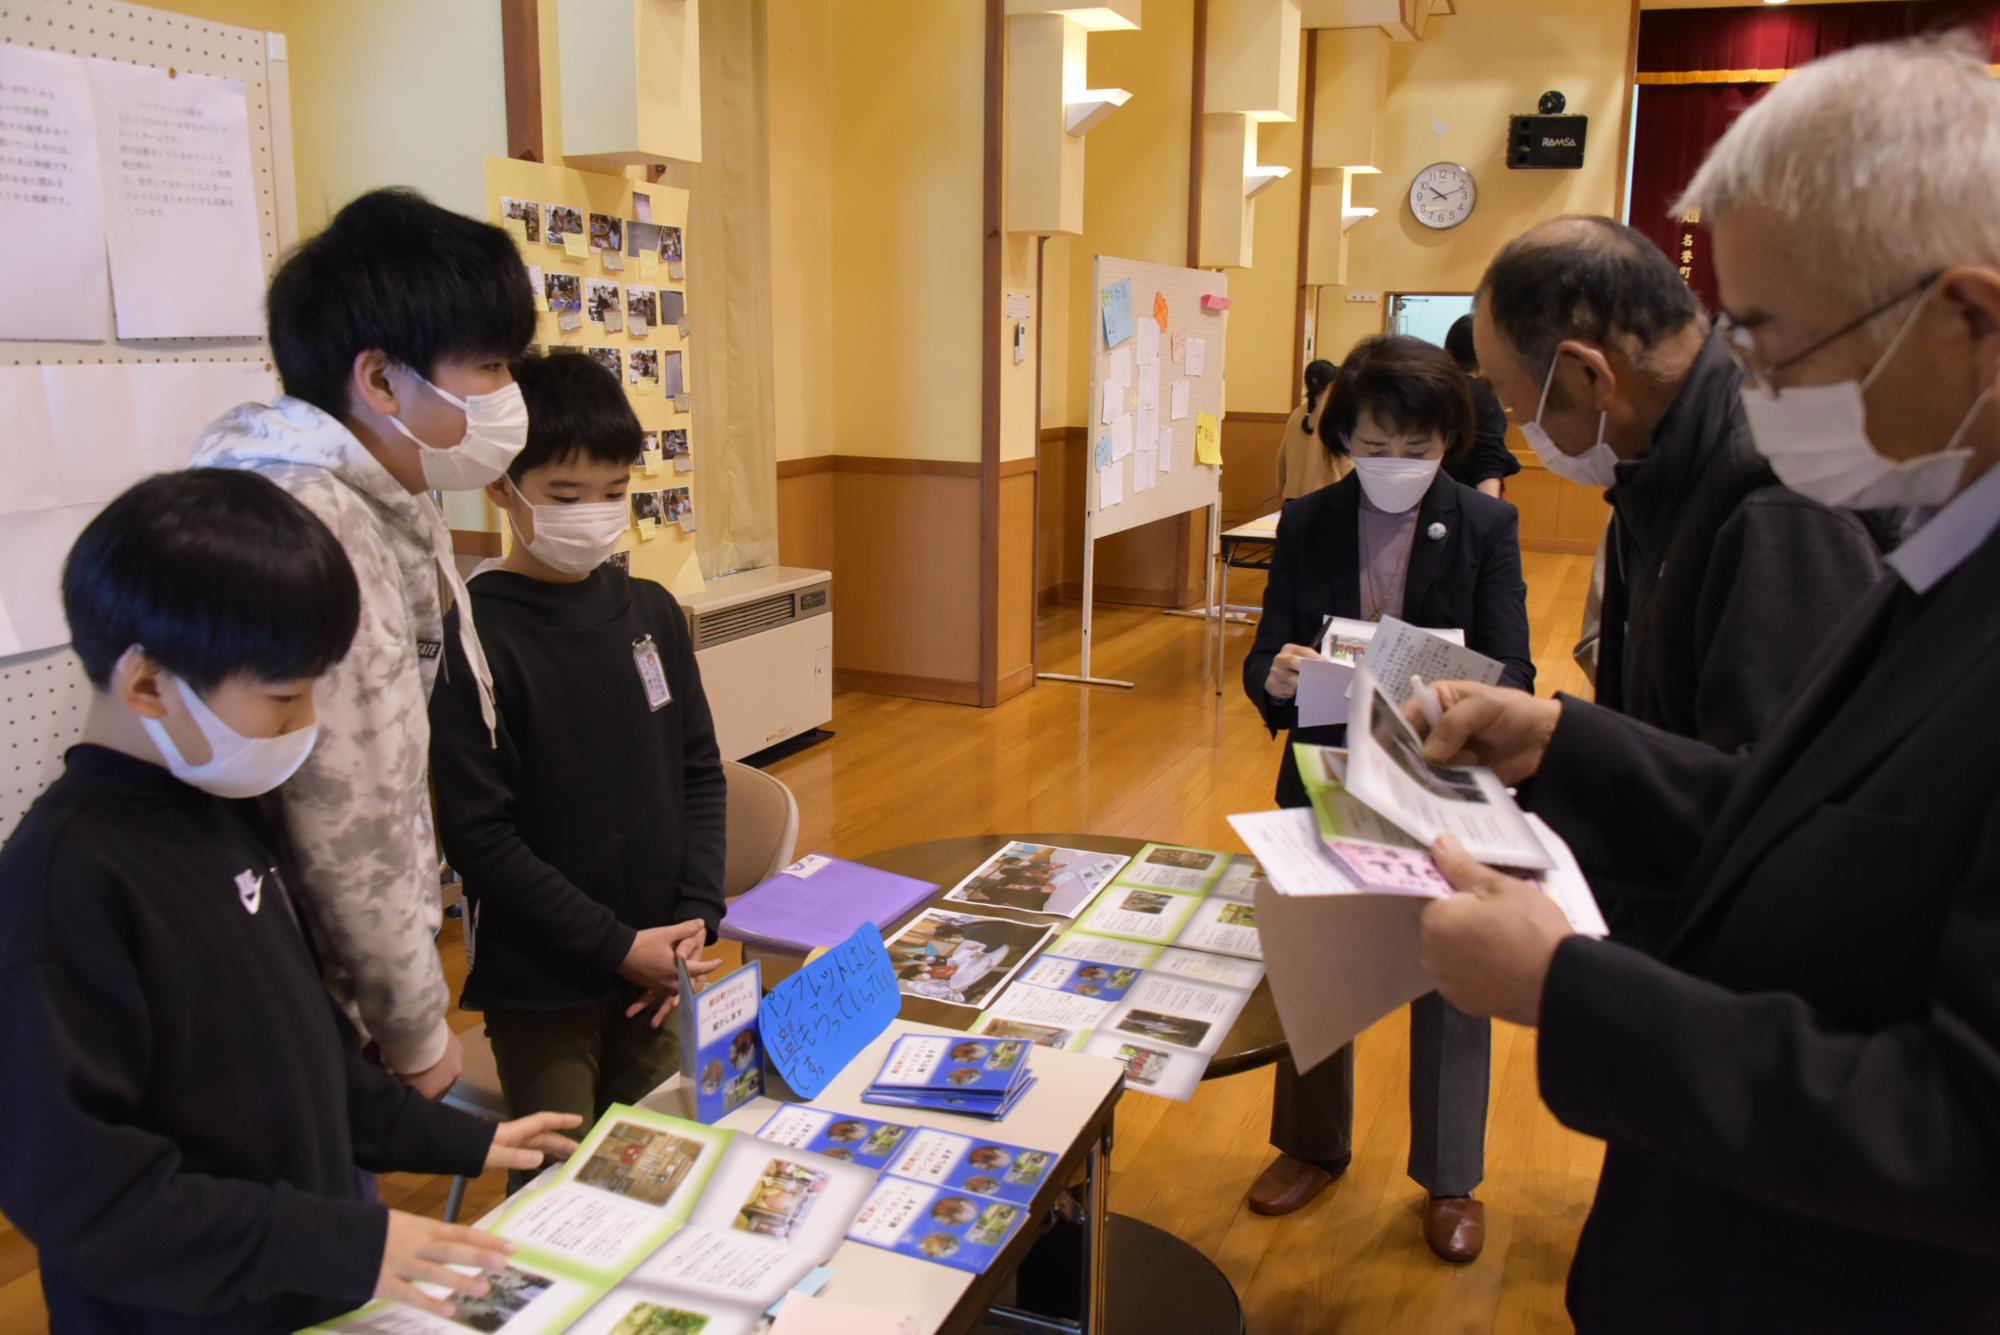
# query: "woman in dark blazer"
{"points": [[1397, 537]]}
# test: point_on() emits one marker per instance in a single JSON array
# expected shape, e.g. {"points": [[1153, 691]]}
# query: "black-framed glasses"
{"points": [[1742, 343]]}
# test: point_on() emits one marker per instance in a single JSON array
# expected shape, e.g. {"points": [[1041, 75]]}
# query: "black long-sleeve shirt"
{"points": [[1487, 456], [596, 815], [185, 1107]]}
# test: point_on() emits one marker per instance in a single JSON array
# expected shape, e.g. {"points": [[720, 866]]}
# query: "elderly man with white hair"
{"points": [[1800, 1084]]}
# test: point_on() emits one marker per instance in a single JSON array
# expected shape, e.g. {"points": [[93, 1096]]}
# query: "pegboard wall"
{"points": [[43, 695]]}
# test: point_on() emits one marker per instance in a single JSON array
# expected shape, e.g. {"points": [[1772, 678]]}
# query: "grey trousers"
{"points": [[1451, 1065]]}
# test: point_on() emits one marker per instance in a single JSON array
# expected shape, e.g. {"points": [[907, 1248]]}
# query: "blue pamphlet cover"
{"points": [[958, 1065], [722, 1051]]}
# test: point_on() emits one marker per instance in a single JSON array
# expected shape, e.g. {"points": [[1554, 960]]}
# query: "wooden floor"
{"points": [[1170, 760]]}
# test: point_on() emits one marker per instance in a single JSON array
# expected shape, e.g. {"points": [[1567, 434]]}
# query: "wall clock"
{"points": [[1443, 194]]}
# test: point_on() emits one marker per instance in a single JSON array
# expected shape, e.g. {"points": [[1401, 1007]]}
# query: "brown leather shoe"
{"points": [[1287, 1185], [1455, 1228]]}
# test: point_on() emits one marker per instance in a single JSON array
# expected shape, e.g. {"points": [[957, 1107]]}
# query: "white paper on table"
{"points": [[804, 1314], [53, 266], [1148, 342], [1156, 1068], [1387, 770], [180, 204], [1399, 651], [1179, 399], [1243, 973], [1197, 356], [1045, 1006], [1181, 1012], [1323, 686], [1205, 930], [1114, 403], [1166, 449], [1111, 484], [1118, 367], [1121, 436], [32, 479]]}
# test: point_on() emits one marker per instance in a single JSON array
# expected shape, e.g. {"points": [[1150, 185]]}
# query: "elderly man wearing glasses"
{"points": [[1799, 1084]]}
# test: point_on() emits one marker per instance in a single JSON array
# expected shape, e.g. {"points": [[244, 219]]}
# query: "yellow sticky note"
{"points": [[516, 228], [541, 299], [647, 528], [650, 464], [649, 264], [643, 386], [576, 245], [1207, 440]]}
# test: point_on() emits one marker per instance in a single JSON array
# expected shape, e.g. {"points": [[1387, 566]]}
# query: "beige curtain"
{"points": [[729, 297]]}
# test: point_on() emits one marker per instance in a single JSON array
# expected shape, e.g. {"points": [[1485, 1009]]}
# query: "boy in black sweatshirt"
{"points": [[591, 837], [185, 1107]]}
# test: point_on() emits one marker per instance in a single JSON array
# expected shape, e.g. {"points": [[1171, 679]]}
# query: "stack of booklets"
{"points": [[819, 901], [974, 1077]]}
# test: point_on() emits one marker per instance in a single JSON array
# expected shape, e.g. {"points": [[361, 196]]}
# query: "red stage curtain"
{"points": [[1676, 128], [1680, 41]]}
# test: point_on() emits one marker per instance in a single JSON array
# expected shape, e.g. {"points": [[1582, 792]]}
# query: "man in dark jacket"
{"points": [[1720, 584]]}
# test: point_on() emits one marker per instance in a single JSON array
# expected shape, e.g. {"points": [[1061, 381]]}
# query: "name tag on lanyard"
{"points": [[646, 656]]}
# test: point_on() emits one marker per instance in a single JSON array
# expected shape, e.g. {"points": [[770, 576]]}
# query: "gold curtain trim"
{"points": [[1730, 76]]}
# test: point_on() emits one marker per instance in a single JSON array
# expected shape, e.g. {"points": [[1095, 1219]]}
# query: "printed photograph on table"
{"points": [[1151, 1068], [527, 212], [722, 1055], [1041, 1035], [1224, 926], [607, 358], [603, 298], [1039, 878], [961, 958], [606, 232], [641, 1163], [1171, 867], [1154, 916], [561, 219], [645, 365], [1239, 880], [777, 1205], [653, 1319], [564, 291], [857, 1140], [642, 307]]}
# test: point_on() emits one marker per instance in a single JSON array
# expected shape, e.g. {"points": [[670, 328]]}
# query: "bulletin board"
{"points": [[660, 544], [1185, 485], [43, 694]]}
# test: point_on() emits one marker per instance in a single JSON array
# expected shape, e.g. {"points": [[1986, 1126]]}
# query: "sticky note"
{"points": [[645, 386], [570, 321], [1179, 343], [647, 528], [516, 228], [649, 463], [1102, 456], [576, 246], [613, 261], [1116, 301], [1160, 310], [649, 264], [819, 1019], [1207, 440], [637, 328]]}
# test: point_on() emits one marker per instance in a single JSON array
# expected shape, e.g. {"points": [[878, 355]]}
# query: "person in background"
{"points": [[591, 837], [1397, 538], [1489, 463], [392, 331], [1720, 583], [1800, 1088], [1304, 464], [185, 1106]]}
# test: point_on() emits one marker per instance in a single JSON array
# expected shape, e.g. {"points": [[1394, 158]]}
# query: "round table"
{"points": [[1254, 1040]]}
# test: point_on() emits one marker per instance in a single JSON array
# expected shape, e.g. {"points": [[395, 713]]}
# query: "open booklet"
{"points": [[1392, 651], [655, 1225], [1388, 771], [1343, 893]]}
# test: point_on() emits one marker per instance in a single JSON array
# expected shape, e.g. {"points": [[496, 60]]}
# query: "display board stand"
{"points": [[43, 693], [1182, 485]]}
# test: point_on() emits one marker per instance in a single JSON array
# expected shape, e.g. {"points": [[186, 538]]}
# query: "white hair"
{"points": [[1885, 158]]}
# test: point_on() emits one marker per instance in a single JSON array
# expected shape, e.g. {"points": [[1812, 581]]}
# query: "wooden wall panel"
{"points": [[1017, 581], [1556, 515], [1250, 444], [1154, 565], [805, 514], [906, 583]]}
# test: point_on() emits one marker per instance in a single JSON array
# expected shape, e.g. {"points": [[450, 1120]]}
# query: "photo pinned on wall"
{"points": [[527, 212], [644, 364], [676, 382], [606, 232], [561, 219], [564, 291], [646, 505], [673, 306], [680, 508], [642, 309], [674, 445], [604, 357], [672, 252], [603, 300]]}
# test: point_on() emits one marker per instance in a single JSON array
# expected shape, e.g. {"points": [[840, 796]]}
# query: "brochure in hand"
{"points": [[977, 1077], [722, 1055]]}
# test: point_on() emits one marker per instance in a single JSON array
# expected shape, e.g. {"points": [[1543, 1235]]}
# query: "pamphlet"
{"points": [[1388, 771], [1392, 650], [655, 1225], [961, 959], [983, 1077], [1197, 898], [722, 1056], [1038, 878]]}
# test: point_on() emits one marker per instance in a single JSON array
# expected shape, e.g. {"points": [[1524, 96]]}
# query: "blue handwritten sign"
{"points": [[816, 1021]]}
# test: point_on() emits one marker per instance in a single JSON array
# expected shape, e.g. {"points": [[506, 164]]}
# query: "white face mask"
{"points": [[237, 766], [496, 427], [1394, 485], [1595, 467], [574, 539], [1816, 438]]}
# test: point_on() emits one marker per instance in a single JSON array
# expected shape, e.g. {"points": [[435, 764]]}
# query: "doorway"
{"points": [[1425, 315]]}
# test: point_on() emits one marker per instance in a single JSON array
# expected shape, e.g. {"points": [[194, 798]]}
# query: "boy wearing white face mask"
{"points": [[185, 1106], [392, 331], [591, 836]]}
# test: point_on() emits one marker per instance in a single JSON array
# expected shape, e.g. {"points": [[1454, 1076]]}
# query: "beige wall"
{"points": [[801, 90], [1263, 299], [1471, 72]]}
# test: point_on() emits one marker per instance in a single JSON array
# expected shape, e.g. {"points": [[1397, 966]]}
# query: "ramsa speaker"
{"points": [[1545, 141]]}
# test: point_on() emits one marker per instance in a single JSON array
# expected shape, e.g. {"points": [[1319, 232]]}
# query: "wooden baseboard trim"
{"points": [[1016, 467], [874, 463], [474, 542], [945, 689], [1071, 591], [1013, 683], [1278, 418]]}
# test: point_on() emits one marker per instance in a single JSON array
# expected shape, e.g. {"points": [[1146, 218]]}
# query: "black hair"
{"points": [[1584, 278], [395, 272], [216, 572], [1458, 342], [1407, 385], [1319, 374], [576, 409]]}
